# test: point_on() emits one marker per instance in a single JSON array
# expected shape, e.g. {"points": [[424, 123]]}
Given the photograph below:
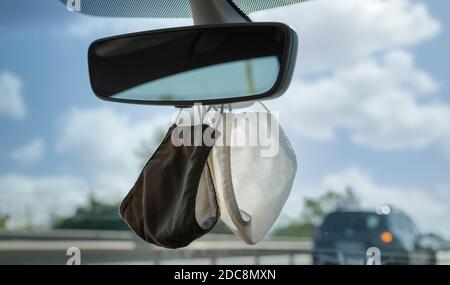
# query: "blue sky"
{"points": [[369, 106]]}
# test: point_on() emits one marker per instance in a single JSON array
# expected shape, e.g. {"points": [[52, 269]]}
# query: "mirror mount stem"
{"points": [[207, 12]]}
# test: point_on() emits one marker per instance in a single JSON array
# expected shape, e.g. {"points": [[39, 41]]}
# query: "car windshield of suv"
{"points": [[362, 222], [367, 113]]}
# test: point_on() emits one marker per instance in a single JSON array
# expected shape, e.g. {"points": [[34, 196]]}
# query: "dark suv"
{"points": [[345, 237]]}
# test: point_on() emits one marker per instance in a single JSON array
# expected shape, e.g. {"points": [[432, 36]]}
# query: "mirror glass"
{"points": [[226, 63]]}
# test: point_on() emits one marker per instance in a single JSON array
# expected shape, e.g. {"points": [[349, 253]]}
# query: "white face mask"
{"points": [[252, 182]]}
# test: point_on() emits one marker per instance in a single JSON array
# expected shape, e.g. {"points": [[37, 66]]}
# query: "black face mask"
{"points": [[173, 201]]}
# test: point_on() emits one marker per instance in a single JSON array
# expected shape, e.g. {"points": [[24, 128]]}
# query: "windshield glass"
{"points": [[368, 114], [363, 222]]}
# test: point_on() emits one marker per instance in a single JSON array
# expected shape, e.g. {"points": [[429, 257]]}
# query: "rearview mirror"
{"points": [[211, 65]]}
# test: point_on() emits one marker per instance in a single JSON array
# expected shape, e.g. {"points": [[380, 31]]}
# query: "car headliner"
{"points": [[165, 8]]}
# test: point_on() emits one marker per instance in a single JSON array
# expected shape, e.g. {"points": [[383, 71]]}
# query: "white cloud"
{"points": [[374, 100], [384, 103], [98, 145], [427, 207], [32, 199], [368, 85], [103, 142], [94, 27], [29, 153], [11, 101], [338, 33]]}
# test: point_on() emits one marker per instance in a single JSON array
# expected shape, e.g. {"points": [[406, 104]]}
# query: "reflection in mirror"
{"points": [[249, 77], [193, 64]]}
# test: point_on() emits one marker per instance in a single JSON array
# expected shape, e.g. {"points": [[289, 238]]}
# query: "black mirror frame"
{"points": [[279, 88]]}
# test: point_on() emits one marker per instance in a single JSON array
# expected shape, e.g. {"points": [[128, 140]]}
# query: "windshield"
{"points": [[368, 114], [362, 222]]}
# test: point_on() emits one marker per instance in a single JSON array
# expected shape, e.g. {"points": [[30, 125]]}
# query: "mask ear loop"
{"points": [[177, 120], [265, 107], [203, 112], [237, 215], [221, 108], [178, 116], [210, 163], [221, 113]]}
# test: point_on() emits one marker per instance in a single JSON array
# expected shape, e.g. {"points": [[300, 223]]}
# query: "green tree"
{"points": [[3, 222], [314, 211], [96, 215], [295, 228]]}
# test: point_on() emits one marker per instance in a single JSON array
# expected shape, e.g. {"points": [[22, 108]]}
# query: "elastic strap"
{"points": [[220, 117], [178, 116], [200, 114], [264, 106]]}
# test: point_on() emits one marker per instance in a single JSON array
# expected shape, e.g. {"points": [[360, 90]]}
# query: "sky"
{"points": [[369, 107]]}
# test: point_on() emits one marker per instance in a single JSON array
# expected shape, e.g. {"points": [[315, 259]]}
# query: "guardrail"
{"points": [[100, 247], [109, 247]]}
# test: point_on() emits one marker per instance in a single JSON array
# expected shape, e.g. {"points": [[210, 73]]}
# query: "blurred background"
{"points": [[368, 114]]}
